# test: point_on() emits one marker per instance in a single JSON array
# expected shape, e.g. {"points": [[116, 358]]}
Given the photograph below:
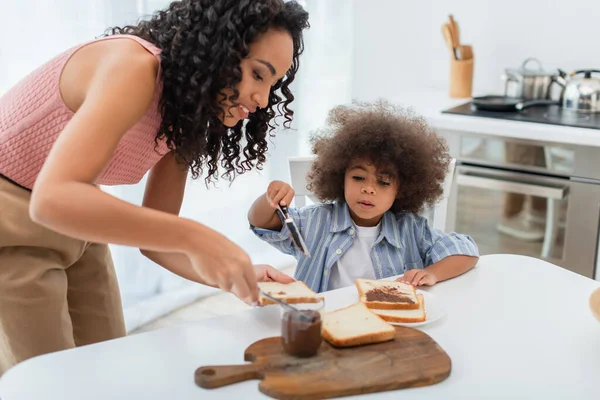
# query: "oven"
{"points": [[531, 198]]}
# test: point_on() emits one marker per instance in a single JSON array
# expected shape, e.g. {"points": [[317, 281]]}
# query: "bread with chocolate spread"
{"points": [[404, 316], [387, 295]]}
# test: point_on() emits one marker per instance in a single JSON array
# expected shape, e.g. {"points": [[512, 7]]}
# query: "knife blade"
{"points": [[297, 238], [285, 305]]}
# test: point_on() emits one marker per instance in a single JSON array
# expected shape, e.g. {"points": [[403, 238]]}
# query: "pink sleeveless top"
{"points": [[33, 114]]}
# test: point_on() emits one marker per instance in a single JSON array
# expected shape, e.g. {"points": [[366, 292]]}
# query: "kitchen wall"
{"points": [[33, 31], [399, 45]]}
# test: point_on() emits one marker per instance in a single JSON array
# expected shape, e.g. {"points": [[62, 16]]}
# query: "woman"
{"points": [[194, 86]]}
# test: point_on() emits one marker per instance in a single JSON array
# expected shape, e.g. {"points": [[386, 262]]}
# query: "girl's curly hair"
{"points": [[388, 137], [203, 43]]}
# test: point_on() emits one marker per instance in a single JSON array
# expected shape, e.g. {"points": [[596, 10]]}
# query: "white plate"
{"points": [[434, 310]]}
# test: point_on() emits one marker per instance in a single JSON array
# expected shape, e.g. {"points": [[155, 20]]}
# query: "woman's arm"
{"points": [[164, 191], [116, 86]]}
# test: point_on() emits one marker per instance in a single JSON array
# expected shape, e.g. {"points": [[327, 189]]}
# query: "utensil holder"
{"points": [[461, 78]]}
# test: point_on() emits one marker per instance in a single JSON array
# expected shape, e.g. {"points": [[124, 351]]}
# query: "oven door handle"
{"points": [[497, 183]]}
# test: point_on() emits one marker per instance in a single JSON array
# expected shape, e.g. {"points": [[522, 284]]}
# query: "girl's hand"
{"points": [[279, 193], [266, 273], [418, 277]]}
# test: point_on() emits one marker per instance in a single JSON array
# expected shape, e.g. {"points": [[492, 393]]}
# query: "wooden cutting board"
{"points": [[411, 359]]}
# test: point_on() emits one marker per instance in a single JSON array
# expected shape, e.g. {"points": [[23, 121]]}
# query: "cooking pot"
{"points": [[528, 83], [582, 91]]}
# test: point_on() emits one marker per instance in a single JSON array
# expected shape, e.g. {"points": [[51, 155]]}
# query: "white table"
{"points": [[517, 327]]}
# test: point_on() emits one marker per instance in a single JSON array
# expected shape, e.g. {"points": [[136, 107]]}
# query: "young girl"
{"points": [[195, 86], [375, 170]]}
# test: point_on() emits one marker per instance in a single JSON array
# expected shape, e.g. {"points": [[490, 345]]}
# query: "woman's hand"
{"points": [[279, 193], [266, 273], [418, 277], [225, 265]]}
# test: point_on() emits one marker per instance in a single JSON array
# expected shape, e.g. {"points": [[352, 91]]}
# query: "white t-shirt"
{"points": [[356, 261]]}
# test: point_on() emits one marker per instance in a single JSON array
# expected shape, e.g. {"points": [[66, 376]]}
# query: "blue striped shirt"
{"points": [[405, 242]]}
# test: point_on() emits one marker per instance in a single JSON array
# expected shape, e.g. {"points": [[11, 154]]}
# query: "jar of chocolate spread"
{"points": [[301, 332]]}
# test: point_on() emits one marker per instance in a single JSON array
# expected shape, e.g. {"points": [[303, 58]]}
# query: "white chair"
{"points": [[300, 166], [440, 210]]}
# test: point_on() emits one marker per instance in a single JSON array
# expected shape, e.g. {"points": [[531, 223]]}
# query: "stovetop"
{"points": [[553, 115]]}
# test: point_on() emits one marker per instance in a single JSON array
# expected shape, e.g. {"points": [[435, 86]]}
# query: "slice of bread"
{"points": [[291, 293], [387, 295], [355, 325], [417, 315]]}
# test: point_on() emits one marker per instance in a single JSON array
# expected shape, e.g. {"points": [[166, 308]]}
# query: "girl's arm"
{"points": [[262, 212], [447, 268], [446, 255], [451, 267], [110, 85], [262, 215]]}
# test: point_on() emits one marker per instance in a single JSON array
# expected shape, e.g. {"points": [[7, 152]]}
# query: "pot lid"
{"points": [[587, 74], [526, 70], [585, 85]]}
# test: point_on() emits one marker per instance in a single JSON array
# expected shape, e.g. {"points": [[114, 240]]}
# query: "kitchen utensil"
{"points": [[447, 33], [455, 30], [285, 305], [465, 52], [561, 78], [412, 359], [293, 228], [507, 104], [461, 64], [582, 93], [529, 83], [276, 300], [461, 78]]}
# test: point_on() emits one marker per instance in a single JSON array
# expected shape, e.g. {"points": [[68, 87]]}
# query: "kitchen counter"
{"points": [[431, 102]]}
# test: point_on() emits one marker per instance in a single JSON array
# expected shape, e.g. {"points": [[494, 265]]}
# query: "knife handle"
{"points": [[282, 214]]}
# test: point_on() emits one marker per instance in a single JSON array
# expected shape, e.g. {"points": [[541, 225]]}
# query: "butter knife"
{"points": [[285, 305], [297, 238]]}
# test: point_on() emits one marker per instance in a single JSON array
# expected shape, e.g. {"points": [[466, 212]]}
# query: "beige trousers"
{"points": [[55, 292]]}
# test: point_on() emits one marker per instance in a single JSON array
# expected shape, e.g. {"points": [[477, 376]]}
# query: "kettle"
{"points": [[580, 93]]}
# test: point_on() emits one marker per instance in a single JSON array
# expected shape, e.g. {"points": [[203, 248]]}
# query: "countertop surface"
{"points": [[431, 102]]}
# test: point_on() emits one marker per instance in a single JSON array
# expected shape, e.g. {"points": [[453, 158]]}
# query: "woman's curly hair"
{"points": [[203, 43], [392, 139]]}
